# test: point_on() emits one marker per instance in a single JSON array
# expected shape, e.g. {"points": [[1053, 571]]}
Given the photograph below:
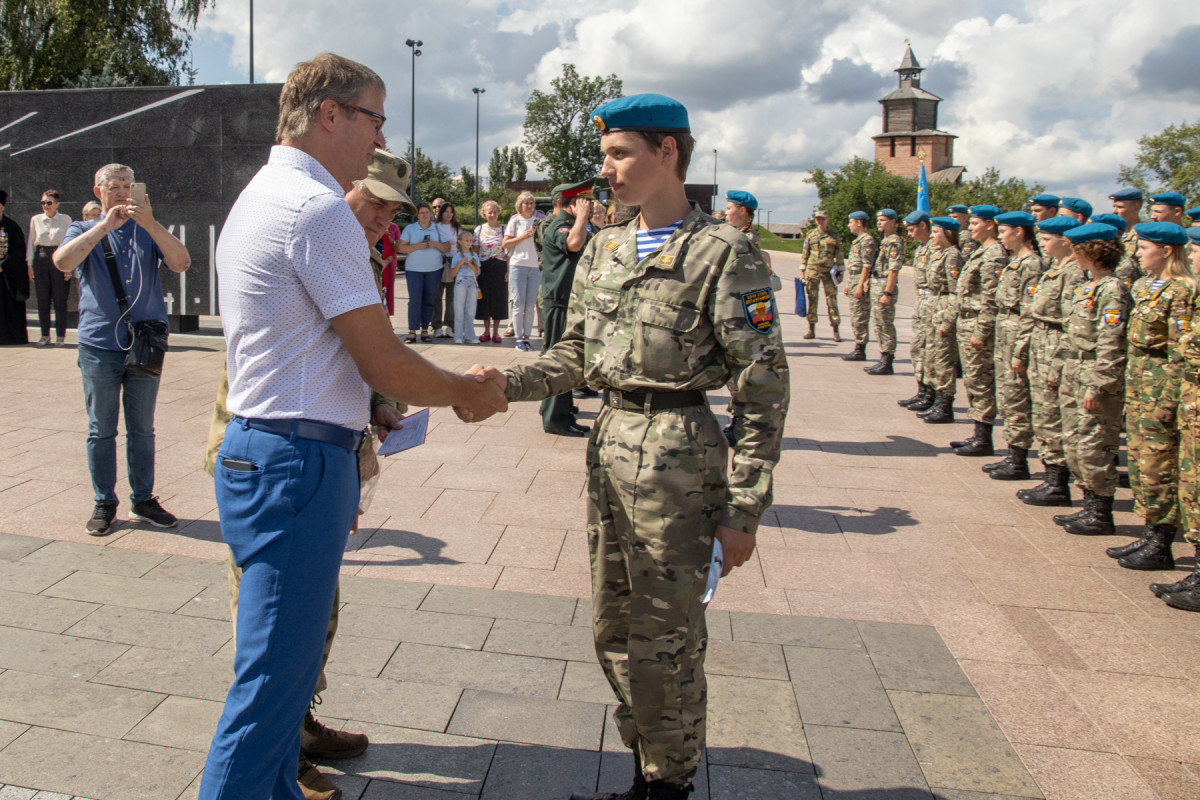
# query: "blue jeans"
{"points": [[422, 289], [106, 388], [524, 283], [286, 521]]}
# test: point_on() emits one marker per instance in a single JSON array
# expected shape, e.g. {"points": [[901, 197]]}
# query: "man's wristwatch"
{"points": [[888, 294]]}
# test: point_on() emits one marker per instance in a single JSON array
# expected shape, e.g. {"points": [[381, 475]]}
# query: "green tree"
{"points": [[56, 44], [861, 185], [1167, 161], [1008, 194], [559, 128], [432, 178], [507, 165]]}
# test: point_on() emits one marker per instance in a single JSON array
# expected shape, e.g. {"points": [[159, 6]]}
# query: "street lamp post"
{"points": [[252, 41], [714, 200], [768, 220], [477, 93], [413, 44]]}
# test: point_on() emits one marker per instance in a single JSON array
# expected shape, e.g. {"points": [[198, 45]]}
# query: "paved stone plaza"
{"points": [[907, 628]]}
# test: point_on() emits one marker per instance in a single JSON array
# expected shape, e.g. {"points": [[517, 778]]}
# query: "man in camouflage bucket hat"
{"points": [[664, 309]]}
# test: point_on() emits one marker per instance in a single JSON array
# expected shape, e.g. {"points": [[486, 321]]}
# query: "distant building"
{"points": [[910, 130]]}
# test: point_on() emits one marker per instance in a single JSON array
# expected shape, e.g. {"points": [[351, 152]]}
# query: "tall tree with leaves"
{"points": [[558, 125], [55, 44], [1169, 160], [507, 165]]}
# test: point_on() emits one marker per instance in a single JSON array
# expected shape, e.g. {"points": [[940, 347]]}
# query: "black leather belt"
{"points": [[1155, 352], [1087, 355], [311, 429], [1054, 326], [647, 401]]}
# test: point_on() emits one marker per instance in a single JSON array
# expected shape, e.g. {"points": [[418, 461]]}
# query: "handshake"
{"points": [[485, 396]]}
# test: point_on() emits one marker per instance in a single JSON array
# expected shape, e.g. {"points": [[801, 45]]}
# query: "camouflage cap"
{"points": [[386, 178]]}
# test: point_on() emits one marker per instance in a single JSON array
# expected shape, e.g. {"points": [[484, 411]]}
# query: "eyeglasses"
{"points": [[48, 202], [375, 115]]}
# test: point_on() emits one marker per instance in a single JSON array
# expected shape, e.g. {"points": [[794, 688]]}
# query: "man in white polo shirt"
{"points": [[307, 339]]}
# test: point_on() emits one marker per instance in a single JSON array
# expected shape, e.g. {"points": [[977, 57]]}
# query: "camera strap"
{"points": [[110, 259]]}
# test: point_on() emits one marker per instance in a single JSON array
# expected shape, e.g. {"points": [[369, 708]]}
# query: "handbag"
{"points": [[148, 338], [801, 299]]}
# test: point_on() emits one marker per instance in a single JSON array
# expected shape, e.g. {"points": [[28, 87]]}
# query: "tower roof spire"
{"points": [[909, 62]]}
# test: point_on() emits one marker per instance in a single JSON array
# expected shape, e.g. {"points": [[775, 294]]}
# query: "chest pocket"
{"points": [[600, 307], [1149, 324], [664, 345], [1085, 321]]}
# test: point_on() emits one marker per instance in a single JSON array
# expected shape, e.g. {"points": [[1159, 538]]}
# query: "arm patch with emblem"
{"points": [[759, 306]]}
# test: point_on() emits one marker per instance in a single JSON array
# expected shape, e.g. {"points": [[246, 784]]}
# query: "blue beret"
{"points": [[1047, 200], [1194, 213], [1194, 234], [1115, 220], [1092, 232], [862, 215], [1126, 194], [956, 209], [1078, 206], [1016, 219], [1168, 199], [916, 218], [949, 223], [1162, 232], [887, 212], [1058, 225], [743, 199], [984, 212], [642, 112]]}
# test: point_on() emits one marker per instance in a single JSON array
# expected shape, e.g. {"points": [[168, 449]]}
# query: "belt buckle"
{"points": [[614, 398]]}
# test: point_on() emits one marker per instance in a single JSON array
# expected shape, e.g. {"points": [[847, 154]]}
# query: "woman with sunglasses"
{"points": [[46, 232]]}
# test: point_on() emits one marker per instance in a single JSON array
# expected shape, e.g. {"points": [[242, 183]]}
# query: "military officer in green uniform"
{"points": [[563, 241], [665, 308], [917, 224], [1044, 206], [858, 283], [885, 285], [822, 252]]}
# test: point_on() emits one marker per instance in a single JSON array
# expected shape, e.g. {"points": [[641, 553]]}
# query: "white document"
{"points": [[714, 571], [411, 433]]}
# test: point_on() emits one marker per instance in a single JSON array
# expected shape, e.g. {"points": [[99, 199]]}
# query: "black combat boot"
{"points": [[1054, 491], [859, 353], [1187, 594], [997, 464], [1156, 553], [659, 790], [925, 403], [1189, 582], [1097, 522], [1088, 502], [1015, 467], [635, 792], [916, 398], [982, 444], [881, 367], [1137, 544]]}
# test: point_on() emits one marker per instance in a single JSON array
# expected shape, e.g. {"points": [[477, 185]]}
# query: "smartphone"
{"points": [[137, 193], [427, 237]]}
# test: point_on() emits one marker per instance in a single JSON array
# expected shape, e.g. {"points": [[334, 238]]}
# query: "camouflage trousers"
{"points": [[1047, 417], [813, 283], [979, 372], [235, 583], [1152, 438], [1013, 400], [860, 315], [1090, 438], [1189, 460], [656, 486], [941, 349], [922, 323], [884, 317]]}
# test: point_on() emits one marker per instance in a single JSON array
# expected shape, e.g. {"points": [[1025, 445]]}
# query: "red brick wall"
{"points": [[939, 154]]}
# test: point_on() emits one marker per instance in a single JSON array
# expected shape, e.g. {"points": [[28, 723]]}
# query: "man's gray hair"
{"points": [[326, 77], [108, 171]]}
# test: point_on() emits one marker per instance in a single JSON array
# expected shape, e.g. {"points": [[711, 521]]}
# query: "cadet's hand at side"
{"points": [[736, 545]]}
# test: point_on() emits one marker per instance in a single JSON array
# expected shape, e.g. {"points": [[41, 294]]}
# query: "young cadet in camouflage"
{"points": [[885, 287], [657, 331], [1129, 270], [1163, 299], [1185, 594], [858, 282], [822, 251], [966, 244], [1014, 328], [941, 354], [1045, 361], [917, 224], [1092, 403], [977, 328]]}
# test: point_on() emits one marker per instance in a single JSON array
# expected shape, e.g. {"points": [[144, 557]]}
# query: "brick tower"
{"points": [[910, 130]]}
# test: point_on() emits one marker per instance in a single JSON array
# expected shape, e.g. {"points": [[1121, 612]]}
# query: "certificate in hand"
{"points": [[410, 434]]}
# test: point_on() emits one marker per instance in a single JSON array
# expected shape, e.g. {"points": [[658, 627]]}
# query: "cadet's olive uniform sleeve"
{"points": [[1031, 269], [1182, 301], [894, 260], [1113, 302], [758, 372]]}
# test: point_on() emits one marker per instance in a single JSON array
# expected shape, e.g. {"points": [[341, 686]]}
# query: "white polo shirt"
{"points": [[290, 258]]}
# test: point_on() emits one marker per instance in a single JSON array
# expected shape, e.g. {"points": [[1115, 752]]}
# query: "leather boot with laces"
{"points": [[1063, 519], [926, 402], [996, 464], [1188, 596], [1054, 491], [1136, 544], [660, 790], [859, 353], [321, 742], [1098, 522], [1013, 468], [314, 785], [1190, 582], [982, 444], [812, 333], [635, 792], [941, 412], [882, 367], [916, 398], [1156, 553], [837, 337]]}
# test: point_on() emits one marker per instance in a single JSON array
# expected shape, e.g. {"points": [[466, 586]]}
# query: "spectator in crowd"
{"points": [[465, 272], [493, 272], [391, 264], [423, 243], [91, 210], [599, 214], [524, 278], [14, 279], [443, 304], [129, 241], [46, 232]]}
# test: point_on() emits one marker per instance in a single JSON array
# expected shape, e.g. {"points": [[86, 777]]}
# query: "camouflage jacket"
{"points": [[890, 257], [1187, 347], [1047, 305], [1014, 295], [697, 313], [1160, 316], [821, 250], [1099, 314], [1130, 268], [862, 255], [977, 289], [921, 258]]}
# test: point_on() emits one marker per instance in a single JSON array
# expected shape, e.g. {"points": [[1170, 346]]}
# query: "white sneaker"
{"points": [[457, 340], [473, 341]]}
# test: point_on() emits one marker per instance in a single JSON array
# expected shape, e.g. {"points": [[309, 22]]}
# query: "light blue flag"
{"points": [[923, 192]]}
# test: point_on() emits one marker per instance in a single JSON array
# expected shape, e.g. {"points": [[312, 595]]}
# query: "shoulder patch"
{"points": [[1112, 317], [759, 306], [612, 245], [1183, 323], [1031, 289], [564, 230], [665, 261]]}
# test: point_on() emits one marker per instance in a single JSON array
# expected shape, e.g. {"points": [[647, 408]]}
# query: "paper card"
{"points": [[411, 433], [714, 571]]}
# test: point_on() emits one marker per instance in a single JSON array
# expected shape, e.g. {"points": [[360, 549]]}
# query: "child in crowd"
{"points": [[464, 269]]}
